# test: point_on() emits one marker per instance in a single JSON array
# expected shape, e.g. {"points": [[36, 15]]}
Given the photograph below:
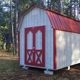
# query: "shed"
{"points": [[48, 40]]}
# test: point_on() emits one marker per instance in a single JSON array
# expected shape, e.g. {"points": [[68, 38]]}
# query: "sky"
{"points": [[5, 8]]}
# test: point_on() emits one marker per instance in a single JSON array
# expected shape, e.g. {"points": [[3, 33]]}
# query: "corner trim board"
{"points": [[54, 54]]}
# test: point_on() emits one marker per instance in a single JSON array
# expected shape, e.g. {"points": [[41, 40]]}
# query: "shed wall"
{"points": [[68, 48], [38, 17]]}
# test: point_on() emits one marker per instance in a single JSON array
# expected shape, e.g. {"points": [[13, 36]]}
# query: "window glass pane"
{"points": [[29, 40], [38, 40]]}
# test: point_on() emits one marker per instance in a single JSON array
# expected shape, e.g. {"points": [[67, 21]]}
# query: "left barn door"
{"points": [[35, 46]]}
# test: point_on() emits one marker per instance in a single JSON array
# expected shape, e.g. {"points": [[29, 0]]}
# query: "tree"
{"points": [[18, 6], [4, 22]]}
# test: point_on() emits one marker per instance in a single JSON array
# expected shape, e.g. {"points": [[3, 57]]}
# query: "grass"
{"points": [[10, 50], [55, 77], [8, 65], [10, 70], [8, 62]]}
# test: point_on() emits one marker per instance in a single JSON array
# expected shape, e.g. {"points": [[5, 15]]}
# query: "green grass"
{"points": [[55, 77], [10, 50], [8, 65]]}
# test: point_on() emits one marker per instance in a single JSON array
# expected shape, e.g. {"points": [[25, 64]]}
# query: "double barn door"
{"points": [[35, 46]]}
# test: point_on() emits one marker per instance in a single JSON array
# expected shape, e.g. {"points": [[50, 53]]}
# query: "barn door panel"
{"points": [[29, 46], [38, 47], [35, 49]]}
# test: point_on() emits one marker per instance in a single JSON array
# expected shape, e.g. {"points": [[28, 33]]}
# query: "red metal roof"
{"points": [[59, 21], [63, 23]]}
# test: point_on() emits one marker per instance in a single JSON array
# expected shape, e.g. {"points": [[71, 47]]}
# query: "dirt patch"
{"points": [[7, 56], [10, 70]]}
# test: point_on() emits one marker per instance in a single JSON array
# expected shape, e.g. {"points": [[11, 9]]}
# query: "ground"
{"points": [[10, 70]]}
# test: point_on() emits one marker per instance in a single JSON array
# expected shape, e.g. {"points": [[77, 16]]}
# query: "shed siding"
{"points": [[68, 48], [38, 17]]}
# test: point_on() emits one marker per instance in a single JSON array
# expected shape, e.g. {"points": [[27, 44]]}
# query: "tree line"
{"points": [[11, 10]]}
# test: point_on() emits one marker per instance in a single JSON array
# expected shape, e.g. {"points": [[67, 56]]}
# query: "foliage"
{"points": [[8, 65], [61, 6], [4, 15], [4, 21]]}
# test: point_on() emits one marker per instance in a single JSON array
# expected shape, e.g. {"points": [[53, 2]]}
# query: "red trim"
{"points": [[34, 51], [18, 47], [54, 38]]}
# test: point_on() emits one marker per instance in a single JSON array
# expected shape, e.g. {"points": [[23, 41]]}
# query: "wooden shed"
{"points": [[48, 40]]}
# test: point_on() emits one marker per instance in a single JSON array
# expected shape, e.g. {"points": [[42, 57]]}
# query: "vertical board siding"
{"points": [[38, 17], [68, 48]]}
